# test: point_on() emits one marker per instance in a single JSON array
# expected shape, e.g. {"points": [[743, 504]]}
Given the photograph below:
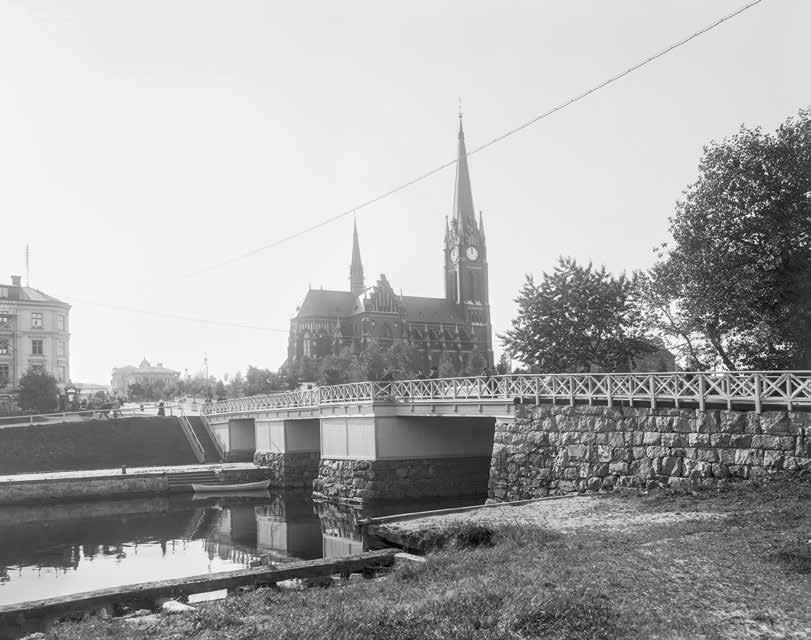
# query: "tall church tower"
{"points": [[466, 281]]}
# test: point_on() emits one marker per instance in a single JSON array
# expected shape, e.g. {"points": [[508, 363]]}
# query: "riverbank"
{"points": [[715, 565]]}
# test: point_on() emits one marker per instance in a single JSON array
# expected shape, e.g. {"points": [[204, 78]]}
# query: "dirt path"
{"points": [[564, 515]]}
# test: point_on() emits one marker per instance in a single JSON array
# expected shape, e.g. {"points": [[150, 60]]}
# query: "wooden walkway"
{"points": [[147, 594]]}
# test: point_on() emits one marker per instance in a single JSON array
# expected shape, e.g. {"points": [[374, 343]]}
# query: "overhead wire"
{"points": [[486, 145]]}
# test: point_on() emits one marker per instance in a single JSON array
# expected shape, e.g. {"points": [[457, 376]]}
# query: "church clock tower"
{"points": [[466, 281]]}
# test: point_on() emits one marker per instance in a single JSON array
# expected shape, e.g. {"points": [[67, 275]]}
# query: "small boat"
{"points": [[220, 488]]}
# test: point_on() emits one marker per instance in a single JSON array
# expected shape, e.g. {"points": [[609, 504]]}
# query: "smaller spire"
{"points": [[357, 283], [481, 224]]}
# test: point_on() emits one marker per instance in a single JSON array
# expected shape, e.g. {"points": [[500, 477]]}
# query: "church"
{"points": [[454, 329]]}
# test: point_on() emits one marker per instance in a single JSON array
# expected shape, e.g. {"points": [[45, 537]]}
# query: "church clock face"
{"points": [[455, 254], [472, 253]]}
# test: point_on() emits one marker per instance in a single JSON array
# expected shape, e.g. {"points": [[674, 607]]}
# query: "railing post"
{"points": [[536, 381], [788, 392], [701, 391], [727, 391], [652, 389], [590, 389], [570, 380], [608, 390], [757, 393]]}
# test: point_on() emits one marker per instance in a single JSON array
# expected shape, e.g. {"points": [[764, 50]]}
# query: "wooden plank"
{"points": [[153, 591]]}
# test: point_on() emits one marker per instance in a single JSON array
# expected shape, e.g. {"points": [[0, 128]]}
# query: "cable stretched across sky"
{"points": [[486, 145]]}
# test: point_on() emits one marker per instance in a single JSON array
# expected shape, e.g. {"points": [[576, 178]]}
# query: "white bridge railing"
{"points": [[787, 389]]}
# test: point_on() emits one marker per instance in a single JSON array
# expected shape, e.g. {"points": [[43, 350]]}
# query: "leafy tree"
{"points": [[37, 391], [236, 389], [340, 369], [578, 318], [403, 359], [373, 362], [734, 287], [219, 390], [503, 365]]}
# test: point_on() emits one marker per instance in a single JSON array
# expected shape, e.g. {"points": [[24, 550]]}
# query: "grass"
{"points": [[742, 576]]}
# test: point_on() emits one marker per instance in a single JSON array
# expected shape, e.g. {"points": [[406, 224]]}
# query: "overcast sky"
{"points": [[143, 141]]}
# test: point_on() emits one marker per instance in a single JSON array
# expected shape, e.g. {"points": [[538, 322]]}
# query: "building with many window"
{"points": [[150, 380], [34, 334]]}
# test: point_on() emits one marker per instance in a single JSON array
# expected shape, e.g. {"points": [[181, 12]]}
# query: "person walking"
{"points": [[161, 410]]}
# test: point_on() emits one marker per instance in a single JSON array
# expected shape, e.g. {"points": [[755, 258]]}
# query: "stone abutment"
{"points": [[551, 450]]}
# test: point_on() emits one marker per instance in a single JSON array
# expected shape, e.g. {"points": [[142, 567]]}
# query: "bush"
{"points": [[38, 392]]}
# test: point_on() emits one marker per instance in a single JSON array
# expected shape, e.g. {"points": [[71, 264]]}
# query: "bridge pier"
{"points": [[383, 456], [290, 448]]}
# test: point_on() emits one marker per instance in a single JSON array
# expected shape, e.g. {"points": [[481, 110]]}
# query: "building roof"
{"points": [[321, 303], [29, 294]]}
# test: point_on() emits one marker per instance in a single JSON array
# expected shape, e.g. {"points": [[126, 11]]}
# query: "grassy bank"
{"points": [[743, 574]]}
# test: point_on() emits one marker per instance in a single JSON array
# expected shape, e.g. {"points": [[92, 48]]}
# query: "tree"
{"points": [[448, 367], [219, 390], [576, 319], [340, 369], [503, 365], [734, 287], [37, 391]]}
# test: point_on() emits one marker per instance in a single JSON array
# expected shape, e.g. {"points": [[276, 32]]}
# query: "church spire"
{"points": [[463, 212], [356, 283]]}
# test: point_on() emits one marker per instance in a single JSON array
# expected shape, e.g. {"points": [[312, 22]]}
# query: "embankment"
{"points": [[148, 441]]}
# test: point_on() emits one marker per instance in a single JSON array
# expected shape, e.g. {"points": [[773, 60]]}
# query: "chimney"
{"points": [[15, 281]]}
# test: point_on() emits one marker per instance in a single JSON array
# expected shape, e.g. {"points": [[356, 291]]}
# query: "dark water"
{"points": [[59, 549]]}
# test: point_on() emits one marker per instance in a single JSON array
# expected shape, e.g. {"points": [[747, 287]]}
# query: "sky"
{"points": [[142, 144]]}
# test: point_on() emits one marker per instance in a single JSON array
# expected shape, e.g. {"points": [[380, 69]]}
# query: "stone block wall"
{"points": [[294, 470], [549, 449], [362, 481]]}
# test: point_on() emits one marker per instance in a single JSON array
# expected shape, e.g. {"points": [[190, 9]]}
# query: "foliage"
{"points": [[503, 364], [578, 318], [734, 288], [37, 391]]}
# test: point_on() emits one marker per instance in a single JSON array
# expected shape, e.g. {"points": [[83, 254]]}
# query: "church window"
{"points": [[308, 348]]}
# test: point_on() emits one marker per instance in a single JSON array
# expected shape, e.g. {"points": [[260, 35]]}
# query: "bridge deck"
{"points": [[772, 389]]}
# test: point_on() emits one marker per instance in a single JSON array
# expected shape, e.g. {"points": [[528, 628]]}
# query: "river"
{"points": [[60, 549]]}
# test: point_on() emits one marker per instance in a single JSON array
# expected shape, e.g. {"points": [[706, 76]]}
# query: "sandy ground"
{"points": [[563, 515]]}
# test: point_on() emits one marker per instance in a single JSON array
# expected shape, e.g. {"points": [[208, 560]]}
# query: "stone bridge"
{"points": [[413, 438]]}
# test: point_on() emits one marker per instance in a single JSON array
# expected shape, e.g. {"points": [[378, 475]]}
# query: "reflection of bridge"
{"points": [[411, 438]]}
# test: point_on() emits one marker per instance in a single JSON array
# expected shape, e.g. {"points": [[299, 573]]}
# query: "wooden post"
{"points": [[571, 390], [788, 392], [757, 393], [590, 388], [727, 391], [608, 390], [652, 388], [701, 391], [537, 383]]}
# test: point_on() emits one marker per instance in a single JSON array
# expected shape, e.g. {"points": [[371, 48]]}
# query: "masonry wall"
{"points": [[549, 449], [362, 481]]}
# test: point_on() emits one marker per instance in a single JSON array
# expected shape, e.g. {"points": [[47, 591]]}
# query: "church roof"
{"points": [[420, 309], [320, 303]]}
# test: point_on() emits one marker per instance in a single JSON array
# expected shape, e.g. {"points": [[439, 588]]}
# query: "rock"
{"points": [[143, 621], [173, 606]]}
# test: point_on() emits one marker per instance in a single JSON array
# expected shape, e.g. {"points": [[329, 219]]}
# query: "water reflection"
{"points": [[59, 549]]}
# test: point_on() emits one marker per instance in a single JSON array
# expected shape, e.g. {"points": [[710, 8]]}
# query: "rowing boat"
{"points": [[219, 488]]}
